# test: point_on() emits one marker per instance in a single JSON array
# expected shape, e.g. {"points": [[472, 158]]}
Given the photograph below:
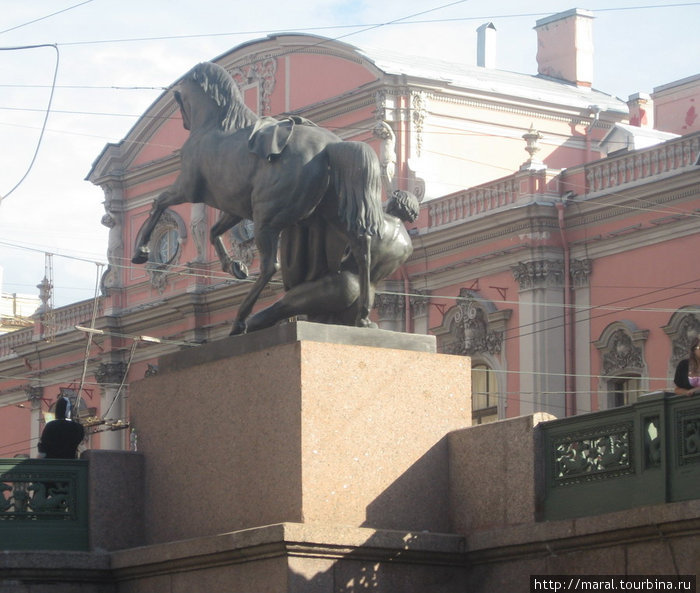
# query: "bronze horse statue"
{"points": [[276, 173]]}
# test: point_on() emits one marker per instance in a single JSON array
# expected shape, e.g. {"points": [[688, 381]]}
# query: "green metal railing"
{"points": [[644, 453], [43, 504]]}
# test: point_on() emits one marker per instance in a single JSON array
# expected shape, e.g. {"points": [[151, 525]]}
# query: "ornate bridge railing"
{"points": [[641, 454], [43, 504]]}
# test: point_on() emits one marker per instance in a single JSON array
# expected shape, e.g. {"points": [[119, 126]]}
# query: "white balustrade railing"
{"points": [[471, 202], [55, 322], [639, 165], [608, 173]]}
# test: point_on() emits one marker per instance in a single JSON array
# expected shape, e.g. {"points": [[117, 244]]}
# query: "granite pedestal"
{"points": [[300, 424]]}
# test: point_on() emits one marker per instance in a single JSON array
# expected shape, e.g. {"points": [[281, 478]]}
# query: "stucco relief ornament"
{"points": [[622, 354], [580, 272], [472, 332], [380, 102], [390, 306], [263, 72], [688, 329], [419, 302], [539, 273], [115, 249], [110, 374], [34, 393], [418, 113]]}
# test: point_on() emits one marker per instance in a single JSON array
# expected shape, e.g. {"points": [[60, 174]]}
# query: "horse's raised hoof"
{"points": [[238, 269], [239, 328], [141, 256]]}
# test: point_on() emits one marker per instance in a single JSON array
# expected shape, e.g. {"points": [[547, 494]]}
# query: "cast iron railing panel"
{"points": [[644, 453], [43, 504]]}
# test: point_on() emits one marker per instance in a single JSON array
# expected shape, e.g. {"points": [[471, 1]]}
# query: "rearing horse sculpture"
{"points": [[298, 169]]}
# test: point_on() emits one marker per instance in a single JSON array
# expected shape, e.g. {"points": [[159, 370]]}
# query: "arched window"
{"points": [[475, 327], [682, 328], [165, 247], [484, 395], [623, 376]]}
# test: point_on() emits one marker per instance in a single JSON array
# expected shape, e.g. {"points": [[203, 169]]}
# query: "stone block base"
{"points": [[299, 425], [295, 558]]}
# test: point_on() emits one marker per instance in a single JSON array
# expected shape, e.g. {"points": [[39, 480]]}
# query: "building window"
{"points": [[165, 248], [623, 374], [623, 391], [484, 397], [166, 245]]}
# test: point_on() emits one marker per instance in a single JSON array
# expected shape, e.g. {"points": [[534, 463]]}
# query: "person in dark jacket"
{"points": [[687, 377], [61, 437]]}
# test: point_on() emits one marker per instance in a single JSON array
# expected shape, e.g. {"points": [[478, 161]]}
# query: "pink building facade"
{"points": [[551, 247]]}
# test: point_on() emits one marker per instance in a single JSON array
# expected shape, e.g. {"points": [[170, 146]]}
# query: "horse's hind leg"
{"points": [[267, 241], [228, 264]]}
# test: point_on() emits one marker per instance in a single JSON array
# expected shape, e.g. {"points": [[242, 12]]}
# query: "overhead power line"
{"points": [[46, 116], [364, 26], [43, 18]]}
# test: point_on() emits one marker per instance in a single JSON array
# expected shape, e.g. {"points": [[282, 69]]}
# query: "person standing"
{"points": [[61, 437], [687, 377]]}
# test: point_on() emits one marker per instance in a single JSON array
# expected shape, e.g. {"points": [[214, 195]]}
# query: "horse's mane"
{"points": [[220, 87]]}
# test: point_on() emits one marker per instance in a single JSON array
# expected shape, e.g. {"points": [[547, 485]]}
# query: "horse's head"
{"points": [[208, 92]]}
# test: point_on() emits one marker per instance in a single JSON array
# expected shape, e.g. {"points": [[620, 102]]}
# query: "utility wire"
{"points": [[45, 17], [185, 271], [508, 330], [46, 117], [363, 27], [93, 318]]}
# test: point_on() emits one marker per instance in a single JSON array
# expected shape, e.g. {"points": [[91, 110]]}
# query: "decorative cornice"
{"points": [[497, 232], [489, 104], [599, 214]]}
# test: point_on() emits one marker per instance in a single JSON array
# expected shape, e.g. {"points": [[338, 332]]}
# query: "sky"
{"points": [[106, 61]]}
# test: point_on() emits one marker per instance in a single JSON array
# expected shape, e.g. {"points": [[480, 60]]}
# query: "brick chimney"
{"points": [[565, 46], [641, 109]]}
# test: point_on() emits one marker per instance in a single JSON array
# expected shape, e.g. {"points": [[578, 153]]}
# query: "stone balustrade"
{"points": [[57, 321], [474, 201], [11, 340], [617, 171], [605, 174]]}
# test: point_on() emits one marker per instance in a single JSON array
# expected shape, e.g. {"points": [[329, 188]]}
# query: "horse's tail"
{"points": [[356, 177]]}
